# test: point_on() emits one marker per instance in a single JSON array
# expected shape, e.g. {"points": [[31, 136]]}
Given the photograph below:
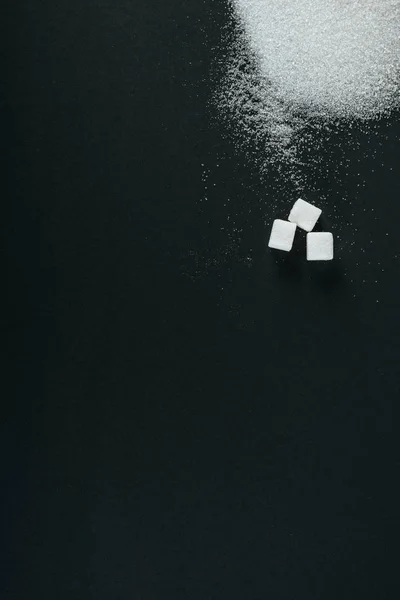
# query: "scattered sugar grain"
{"points": [[297, 70], [341, 56]]}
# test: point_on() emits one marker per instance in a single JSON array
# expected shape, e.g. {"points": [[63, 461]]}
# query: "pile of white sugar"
{"points": [[342, 56], [293, 67]]}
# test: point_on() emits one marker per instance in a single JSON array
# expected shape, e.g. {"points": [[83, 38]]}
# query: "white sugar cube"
{"points": [[319, 245], [282, 235], [304, 214]]}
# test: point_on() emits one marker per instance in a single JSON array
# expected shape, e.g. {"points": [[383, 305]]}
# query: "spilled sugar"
{"points": [[337, 56], [297, 70]]}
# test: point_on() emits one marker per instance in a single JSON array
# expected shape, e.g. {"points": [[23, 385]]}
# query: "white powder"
{"points": [[295, 69], [339, 55]]}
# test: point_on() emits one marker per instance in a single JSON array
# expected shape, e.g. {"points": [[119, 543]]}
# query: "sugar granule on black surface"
{"points": [[293, 69]]}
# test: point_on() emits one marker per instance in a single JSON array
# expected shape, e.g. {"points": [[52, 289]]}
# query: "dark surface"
{"points": [[183, 418]]}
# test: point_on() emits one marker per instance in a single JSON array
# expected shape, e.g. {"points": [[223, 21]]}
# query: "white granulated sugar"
{"points": [[304, 214], [340, 55], [295, 69], [282, 235]]}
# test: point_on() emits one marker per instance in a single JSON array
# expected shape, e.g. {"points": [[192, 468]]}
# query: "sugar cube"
{"points": [[304, 214], [319, 245], [282, 235]]}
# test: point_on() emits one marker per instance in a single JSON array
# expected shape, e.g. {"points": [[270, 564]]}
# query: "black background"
{"points": [[184, 414]]}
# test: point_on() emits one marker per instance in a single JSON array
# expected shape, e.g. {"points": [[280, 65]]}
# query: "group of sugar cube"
{"points": [[305, 216]]}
